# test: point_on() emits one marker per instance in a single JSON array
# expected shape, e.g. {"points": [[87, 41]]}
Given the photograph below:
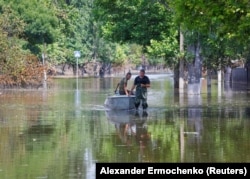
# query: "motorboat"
{"points": [[120, 102]]}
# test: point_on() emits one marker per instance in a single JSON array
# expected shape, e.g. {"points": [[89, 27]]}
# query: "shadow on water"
{"points": [[41, 129]]}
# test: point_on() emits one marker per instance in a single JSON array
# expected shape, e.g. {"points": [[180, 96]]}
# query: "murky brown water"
{"points": [[63, 131]]}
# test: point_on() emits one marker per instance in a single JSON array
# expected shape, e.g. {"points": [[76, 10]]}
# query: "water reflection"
{"points": [[77, 103], [192, 133], [194, 120], [62, 132], [131, 128]]}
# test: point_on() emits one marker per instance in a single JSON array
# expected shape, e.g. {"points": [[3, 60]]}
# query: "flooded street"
{"points": [[63, 131]]}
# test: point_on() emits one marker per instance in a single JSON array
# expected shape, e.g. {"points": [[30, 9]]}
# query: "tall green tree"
{"points": [[219, 27], [224, 25], [80, 31], [11, 53], [135, 21], [41, 22], [18, 68]]}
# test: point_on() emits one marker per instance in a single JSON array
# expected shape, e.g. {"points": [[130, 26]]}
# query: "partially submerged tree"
{"points": [[223, 28]]}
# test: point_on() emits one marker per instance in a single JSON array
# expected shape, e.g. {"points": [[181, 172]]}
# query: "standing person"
{"points": [[141, 83], [123, 84]]}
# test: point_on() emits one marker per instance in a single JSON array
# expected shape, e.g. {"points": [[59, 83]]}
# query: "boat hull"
{"points": [[120, 102]]}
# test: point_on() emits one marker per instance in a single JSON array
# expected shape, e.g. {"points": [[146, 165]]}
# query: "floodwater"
{"points": [[63, 131]]}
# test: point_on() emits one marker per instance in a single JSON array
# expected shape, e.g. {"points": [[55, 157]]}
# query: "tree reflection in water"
{"points": [[131, 128]]}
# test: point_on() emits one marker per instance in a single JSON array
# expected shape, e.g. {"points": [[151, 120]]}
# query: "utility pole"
{"points": [[44, 71]]}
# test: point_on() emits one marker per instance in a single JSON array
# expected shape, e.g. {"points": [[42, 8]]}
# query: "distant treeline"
{"points": [[118, 33]]}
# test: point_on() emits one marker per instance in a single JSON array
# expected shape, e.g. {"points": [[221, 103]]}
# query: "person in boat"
{"points": [[123, 85], [141, 83]]}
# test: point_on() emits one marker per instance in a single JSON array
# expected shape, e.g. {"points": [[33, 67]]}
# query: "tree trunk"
{"points": [[176, 76], [195, 71], [181, 65], [227, 77], [179, 68]]}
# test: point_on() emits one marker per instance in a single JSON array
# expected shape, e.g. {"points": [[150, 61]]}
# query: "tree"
{"points": [[80, 31], [223, 25], [218, 27], [135, 21], [18, 68], [41, 22]]}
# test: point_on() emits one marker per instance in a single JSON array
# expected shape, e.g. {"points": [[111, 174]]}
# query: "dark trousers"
{"points": [[123, 92]]}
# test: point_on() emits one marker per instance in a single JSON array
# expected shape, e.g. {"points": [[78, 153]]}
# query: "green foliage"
{"points": [[120, 32], [134, 53], [40, 19], [11, 54], [166, 49], [146, 23], [16, 66], [223, 28], [81, 32], [133, 21], [127, 53]]}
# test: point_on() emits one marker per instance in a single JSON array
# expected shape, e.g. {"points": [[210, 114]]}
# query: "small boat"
{"points": [[120, 102]]}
